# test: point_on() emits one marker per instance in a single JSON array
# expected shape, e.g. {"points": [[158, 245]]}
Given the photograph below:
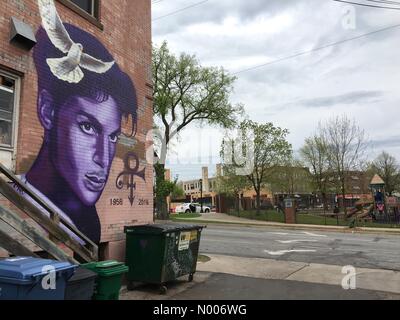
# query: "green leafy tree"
{"points": [[269, 149], [177, 192], [291, 177], [232, 185], [184, 93]]}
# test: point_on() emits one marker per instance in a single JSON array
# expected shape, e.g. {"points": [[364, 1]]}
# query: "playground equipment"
{"points": [[385, 209], [377, 186], [363, 210]]}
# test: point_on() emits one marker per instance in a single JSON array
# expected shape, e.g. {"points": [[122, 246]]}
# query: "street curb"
{"points": [[296, 227]]}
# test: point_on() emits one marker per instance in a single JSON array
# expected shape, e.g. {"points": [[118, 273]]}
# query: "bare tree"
{"points": [[386, 166], [346, 145], [314, 154]]}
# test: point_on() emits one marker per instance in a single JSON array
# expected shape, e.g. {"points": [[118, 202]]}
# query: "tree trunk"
{"points": [[324, 201], [238, 204], [344, 200], [161, 199], [258, 201]]}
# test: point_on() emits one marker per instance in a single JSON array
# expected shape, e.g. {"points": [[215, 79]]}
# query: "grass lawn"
{"points": [[271, 216], [184, 216], [304, 218]]}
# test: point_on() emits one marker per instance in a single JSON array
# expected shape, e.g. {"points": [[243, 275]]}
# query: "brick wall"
{"points": [[127, 36]]}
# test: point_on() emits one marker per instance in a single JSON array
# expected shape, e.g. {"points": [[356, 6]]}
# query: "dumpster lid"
{"points": [[161, 228], [24, 268], [108, 264]]}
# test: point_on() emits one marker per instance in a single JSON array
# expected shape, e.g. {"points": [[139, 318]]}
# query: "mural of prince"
{"points": [[82, 98]]}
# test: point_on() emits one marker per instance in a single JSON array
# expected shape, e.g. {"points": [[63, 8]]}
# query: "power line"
{"points": [[383, 1], [180, 10], [316, 49], [367, 5]]}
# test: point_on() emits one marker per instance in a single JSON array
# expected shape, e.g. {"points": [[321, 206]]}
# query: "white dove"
{"points": [[67, 68]]}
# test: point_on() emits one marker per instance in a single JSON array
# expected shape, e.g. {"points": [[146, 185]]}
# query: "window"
{"points": [[88, 9], [90, 6], [7, 93], [9, 98]]}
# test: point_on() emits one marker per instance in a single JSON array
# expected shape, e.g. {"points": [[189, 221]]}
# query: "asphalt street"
{"points": [[359, 250]]}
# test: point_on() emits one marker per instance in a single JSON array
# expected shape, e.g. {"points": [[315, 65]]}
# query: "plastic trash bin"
{"points": [[160, 253], [81, 285], [22, 278], [109, 278]]}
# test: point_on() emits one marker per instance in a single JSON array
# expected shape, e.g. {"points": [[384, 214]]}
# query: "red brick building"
{"points": [[62, 111]]}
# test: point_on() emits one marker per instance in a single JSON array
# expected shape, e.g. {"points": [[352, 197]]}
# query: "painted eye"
{"points": [[114, 138], [87, 128]]}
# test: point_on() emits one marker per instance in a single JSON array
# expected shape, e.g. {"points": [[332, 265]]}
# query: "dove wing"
{"points": [[54, 27], [95, 65]]}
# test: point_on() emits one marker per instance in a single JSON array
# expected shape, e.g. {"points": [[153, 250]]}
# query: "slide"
{"points": [[352, 212], [366, 211]]}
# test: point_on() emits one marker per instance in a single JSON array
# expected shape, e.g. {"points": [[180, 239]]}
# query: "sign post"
{"points": [[290, 211]]}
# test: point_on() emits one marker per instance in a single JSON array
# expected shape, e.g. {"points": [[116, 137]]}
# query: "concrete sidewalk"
{"points": [[236, 278], [369, 279], [221, 218], [235, 288]]}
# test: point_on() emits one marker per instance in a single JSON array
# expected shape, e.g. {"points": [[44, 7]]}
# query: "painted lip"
{"points": [[95, 182]]}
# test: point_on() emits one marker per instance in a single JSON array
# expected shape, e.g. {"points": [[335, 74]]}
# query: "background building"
{"points": [[220, 202], [285, 182]]}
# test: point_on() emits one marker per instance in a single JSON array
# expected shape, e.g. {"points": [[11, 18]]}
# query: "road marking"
{"points": [[294, 241], [282, 252], [315, 235]]}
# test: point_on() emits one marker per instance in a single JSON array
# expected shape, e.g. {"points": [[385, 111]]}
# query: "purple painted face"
{"points": [[87, 136]]}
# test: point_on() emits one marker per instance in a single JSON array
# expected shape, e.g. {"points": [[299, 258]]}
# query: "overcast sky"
{"points": [[359, 78]]}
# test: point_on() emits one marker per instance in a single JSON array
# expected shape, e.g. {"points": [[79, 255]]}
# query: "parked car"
{"points": [[192, 208]]}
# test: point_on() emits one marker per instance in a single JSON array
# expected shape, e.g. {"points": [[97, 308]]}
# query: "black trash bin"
{"points": [[160, 253], [81, 285]]}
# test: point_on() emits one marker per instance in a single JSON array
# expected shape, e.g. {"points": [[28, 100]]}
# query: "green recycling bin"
{"points": [[109, 280], [160, 253]]}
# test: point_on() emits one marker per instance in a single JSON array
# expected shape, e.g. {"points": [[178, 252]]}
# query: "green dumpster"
{"points": [[160, 253], [109, 280]]}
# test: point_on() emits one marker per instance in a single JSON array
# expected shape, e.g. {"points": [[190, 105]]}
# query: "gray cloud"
{"points": [[358, 77], [389, 142], [214, 11], [347, 98]]}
